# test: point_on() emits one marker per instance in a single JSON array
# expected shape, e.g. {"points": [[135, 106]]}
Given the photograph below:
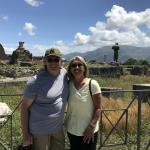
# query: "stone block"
{"points": [[106, 71], [144, 95]]}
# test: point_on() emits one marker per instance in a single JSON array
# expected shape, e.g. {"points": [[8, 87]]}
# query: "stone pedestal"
{"points": [[21, 55], [144, 95]]}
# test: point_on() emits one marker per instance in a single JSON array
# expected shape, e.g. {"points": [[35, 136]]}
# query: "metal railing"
{"points": [[138, 94], [10, 144]]}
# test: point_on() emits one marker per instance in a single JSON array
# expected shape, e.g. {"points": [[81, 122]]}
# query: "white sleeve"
{"points": [[95, 87]]}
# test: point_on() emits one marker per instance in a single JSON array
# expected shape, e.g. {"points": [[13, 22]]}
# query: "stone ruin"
{"points": [[145, 95], [113, 71], [2, 53], [20, 55]]}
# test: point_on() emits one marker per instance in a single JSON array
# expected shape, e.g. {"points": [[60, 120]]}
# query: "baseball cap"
{"points": [[53, 52]]}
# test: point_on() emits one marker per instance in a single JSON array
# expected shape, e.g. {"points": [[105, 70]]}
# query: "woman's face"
{"points": [[77, 68]]}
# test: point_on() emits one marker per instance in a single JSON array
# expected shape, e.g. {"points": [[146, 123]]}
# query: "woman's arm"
{"points": [[97, 104], [89, 132]]}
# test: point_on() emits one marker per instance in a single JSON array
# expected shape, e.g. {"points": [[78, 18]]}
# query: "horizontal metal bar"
{"points": [[110, 145], [1, 116], [121, 109], [117, 91], [11, 94], [111, 91]]}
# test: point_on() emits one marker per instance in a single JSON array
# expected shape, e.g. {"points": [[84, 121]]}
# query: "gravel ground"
{"points": [[14, 79]]}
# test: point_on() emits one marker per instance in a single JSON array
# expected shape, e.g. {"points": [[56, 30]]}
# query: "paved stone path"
{"points": [[14, 79]]}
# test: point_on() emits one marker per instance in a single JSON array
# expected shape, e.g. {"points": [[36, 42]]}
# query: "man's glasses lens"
{"points": [[76, 64], [53, 60]]}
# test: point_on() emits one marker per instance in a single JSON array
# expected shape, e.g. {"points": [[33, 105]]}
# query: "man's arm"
{"points": [[25, 105]]}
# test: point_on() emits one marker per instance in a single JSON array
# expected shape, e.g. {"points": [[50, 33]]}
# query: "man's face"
{"points": [[53, 63]]}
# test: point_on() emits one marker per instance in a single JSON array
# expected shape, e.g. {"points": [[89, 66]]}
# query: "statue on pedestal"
{"points": [[116, 52], [20, 55]]}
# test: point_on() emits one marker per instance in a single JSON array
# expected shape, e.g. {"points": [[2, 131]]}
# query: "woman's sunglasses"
{"points": [[50, 60], [74, 65]]}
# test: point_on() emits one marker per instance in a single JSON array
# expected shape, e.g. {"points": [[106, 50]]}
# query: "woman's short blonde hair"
{"points": [[82, 60]]}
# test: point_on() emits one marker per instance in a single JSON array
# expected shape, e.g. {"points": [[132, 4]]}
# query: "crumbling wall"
{"points": [[106, 71], [2, 53]]}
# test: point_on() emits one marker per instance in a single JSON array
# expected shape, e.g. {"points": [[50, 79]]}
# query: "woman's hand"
{"points": [[88, 134]]}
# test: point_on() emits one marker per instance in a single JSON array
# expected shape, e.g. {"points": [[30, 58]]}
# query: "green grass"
{"points": [[124, 82]]}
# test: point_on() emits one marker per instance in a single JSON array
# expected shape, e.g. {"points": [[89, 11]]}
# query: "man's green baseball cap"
{"points": [[53, 52]]}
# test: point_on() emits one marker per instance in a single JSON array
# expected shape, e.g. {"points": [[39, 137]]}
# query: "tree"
{"points": [[143, 62], [132, 61]]}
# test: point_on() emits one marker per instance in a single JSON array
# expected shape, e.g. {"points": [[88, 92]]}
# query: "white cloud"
{"points": [[29, 27], [120, 26], [3, 18], [34, 3], [81, 39], [126, 28], [20, 34], [118, 17], [38, 49], [8, 50], [59, 42]]}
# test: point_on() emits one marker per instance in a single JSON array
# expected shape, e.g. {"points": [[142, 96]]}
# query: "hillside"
{"points": [[106, 53]]}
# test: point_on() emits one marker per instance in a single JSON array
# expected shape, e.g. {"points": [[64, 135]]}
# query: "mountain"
{"points": [[106, 53]]}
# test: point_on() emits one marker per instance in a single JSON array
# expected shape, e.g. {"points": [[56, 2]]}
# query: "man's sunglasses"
{"points": [[56, 60], [74, 65]]}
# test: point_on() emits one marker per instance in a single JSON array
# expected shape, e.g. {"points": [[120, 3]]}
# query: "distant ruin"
{"points": [[20, 55], [2, 53]]}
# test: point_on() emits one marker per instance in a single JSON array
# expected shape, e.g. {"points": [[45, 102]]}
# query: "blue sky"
{"points": [[73, 25]]}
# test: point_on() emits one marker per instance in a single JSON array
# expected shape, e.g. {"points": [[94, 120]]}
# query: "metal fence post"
{"points": [[11, 142], [139, 122]]}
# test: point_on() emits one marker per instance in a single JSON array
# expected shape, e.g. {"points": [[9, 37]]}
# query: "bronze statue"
{"points": [[116, 52]]}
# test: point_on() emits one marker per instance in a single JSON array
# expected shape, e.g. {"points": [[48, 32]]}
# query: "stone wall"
{"points": [[139, 70], [15, 72], [106, 71], [117, 71]]}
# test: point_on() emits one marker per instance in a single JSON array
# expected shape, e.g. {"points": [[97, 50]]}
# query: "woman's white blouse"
{"points": [[81, 108]]}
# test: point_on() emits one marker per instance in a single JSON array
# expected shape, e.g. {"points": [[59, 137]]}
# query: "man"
{"points": [[43, 106]]}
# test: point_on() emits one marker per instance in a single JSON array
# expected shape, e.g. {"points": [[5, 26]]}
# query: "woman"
{"points": [[83, 111]]}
